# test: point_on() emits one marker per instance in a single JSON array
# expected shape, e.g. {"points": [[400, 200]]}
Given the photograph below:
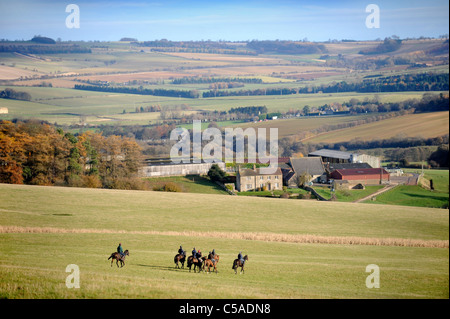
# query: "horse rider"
{"points": [[120, 250], [241, 258], [194, 253], [181, 251], [213, 255]]}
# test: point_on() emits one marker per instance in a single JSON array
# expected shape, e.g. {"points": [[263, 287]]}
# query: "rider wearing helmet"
{"points": [[241, 258]]}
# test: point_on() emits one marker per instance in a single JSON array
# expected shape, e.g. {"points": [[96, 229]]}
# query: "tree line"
{"points": [[37, 153], [388, 45], [397, 83], [191, 94], [15, 95], [25, 48], [196, 80], [285, 47]]}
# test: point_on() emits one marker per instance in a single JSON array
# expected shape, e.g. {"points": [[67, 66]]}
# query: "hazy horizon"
{"points": [[234, 20]]}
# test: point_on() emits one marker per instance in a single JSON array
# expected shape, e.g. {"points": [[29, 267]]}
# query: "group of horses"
{"points": [[206, 263], [198, 262]]}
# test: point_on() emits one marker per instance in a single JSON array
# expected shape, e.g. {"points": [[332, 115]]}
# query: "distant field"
{"points": [[287, 127], [65, 106], [297, 249], [412, 125]]}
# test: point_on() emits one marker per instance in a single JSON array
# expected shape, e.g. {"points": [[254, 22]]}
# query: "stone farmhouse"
{"points": [[256, 179]]}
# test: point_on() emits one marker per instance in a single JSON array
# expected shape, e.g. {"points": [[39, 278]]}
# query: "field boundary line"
{"points": [[268, 237]]}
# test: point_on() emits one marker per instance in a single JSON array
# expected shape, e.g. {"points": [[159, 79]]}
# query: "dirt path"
{"points": [[384, 189]]}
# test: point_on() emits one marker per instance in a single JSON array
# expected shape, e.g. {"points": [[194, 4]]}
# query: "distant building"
{"points": [[256, 179], [167, 168], [332, 156], [3, 110], [364, 176], [296, 167]]}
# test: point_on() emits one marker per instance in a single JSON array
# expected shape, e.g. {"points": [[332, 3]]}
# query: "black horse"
{"points": [[116, 256], [238, 263], [197, 262]]}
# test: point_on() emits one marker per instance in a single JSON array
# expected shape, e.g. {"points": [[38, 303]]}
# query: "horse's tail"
{"points": [[234, 264], [111, 256]]}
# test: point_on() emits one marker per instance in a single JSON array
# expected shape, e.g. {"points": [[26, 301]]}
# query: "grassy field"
{"points": [[296, 249], [348, 195], [413, 196], [418, 195], [410, 125], [189, 184]]}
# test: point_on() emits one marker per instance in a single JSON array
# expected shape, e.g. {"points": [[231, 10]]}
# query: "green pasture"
{"points": [[148, 210], [188, 184], [417, 195], [413, 196], [348, 195], [152, 225]]}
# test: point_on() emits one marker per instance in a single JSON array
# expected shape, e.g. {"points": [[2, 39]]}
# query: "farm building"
{"points": [[168, 168], [296, 167], [332, 156], [330, 167], [256, 179], [3, 110], [365, 176]]}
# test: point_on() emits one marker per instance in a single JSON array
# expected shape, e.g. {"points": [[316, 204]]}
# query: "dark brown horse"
{"points": [[197, 262], [179, 258], [211, 263], [116, 256], [238, 263]]}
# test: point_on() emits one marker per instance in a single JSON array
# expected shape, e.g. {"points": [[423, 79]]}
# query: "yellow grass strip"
{"points": [[269, 237]]}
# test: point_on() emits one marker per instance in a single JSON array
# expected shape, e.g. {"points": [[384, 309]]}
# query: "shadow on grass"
{"points": [[425, 196], [163, 267]]}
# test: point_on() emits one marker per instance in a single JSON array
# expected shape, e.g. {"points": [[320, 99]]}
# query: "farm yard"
{"points": [[296, 249]]}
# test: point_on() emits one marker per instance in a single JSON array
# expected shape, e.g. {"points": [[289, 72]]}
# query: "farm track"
{"points": [[384, 189], [268, 237]]}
